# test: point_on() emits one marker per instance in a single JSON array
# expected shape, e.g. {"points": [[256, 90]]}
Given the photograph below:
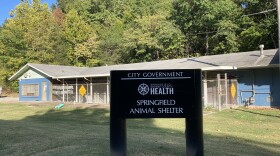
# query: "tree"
{"points": [[223, 26], [206, 22], [78, 34], [153, 38], [31, 35], [115, 22], [12, 52], [41, 34], [110, 45], [259, 25], [86, 53]]}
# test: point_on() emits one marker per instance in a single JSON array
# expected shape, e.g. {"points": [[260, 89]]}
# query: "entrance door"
{"points": [[44, 91]]}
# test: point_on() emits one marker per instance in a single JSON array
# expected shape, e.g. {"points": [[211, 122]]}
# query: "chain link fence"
{"points": [[221, 94], [81, 93]]}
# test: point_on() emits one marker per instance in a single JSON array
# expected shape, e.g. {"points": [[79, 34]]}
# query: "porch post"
{"points": [[219, 91], [91, 90], [205, 93], [77, 90], [226, 88], [108, 91], [63, 93]]}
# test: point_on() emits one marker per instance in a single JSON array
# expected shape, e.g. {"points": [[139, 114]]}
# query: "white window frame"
{"points": [[30, 90]]}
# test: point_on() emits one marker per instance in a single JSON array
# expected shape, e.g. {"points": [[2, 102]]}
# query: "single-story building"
{"points": [[246, 78]]}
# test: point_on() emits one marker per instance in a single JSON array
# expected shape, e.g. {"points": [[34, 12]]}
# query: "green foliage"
{"points": [[100, 32], [153, 38], [32, 35], [259, 28], [110, 45], [38, 32], [12, 52], [222, 26], [80, 36], [217, 20]]}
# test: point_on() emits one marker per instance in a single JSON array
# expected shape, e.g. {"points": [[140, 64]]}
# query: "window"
{"points": [[30, 90]]}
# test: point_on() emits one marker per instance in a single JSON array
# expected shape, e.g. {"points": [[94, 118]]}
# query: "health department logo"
{"points": [[143, 89]]}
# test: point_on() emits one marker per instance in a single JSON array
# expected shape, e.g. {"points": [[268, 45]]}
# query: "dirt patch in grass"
{"points": [[262, 108]]}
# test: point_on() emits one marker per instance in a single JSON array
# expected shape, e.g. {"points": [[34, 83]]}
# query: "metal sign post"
{"points": [[156, 94]]}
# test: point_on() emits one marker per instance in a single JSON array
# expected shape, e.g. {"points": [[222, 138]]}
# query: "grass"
{"points": [[41, 130]]}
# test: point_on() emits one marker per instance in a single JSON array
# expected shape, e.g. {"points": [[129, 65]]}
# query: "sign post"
{"points": [[156, 94]]}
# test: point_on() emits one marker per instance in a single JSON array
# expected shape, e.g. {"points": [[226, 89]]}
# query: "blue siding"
{"points": [[34, 81], [262, 83], [275, 87], [256, 83], [244, 85]]}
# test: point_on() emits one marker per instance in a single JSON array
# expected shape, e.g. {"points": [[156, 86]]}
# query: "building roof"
{"points": [[242, 60], [51, 71]]}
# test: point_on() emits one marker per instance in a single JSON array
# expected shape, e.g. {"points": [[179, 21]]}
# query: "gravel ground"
{"points": [[5, 99]]}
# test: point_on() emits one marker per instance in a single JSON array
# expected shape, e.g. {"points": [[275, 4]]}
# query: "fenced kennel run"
{"points": [[81, 91], [220, 91]]}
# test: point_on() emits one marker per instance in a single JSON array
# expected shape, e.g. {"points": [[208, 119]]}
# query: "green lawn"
{"points": [[41, 130]]}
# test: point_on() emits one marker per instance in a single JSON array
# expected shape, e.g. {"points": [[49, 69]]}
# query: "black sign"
{"points": [[156, 94]]}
